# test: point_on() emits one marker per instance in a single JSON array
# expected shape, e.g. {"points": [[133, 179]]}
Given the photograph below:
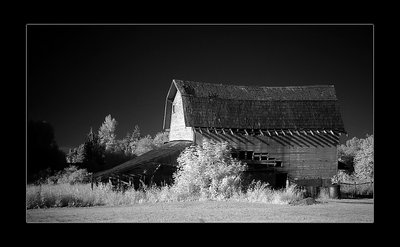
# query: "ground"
{"points": [[330, 211]]}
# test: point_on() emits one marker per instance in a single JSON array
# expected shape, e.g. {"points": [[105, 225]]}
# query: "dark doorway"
{"points": [[280, 180]]}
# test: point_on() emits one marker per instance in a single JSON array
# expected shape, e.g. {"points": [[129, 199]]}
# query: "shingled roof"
{"points": [[164, 155], [255, 107]]}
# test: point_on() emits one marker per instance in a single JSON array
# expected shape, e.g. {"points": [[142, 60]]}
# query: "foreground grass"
{"points": [[81, 195], [331, 211]]}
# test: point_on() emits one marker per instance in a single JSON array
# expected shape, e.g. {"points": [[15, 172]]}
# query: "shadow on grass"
{"points": [[355, 201]]}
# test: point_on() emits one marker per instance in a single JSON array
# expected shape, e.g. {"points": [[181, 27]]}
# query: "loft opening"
{"points": [[253, 157]]}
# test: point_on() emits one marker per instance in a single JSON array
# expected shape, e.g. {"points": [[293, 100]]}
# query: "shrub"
{"points": [[70, 175], [342, 177], [364, 159], [208, 171], [144, 145], [323, 193]]}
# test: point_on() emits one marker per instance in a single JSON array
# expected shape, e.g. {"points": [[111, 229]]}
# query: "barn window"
{"points": [[278, 163], [249, 155], [173, 108], [242, 155], [264, 156], [235, 155]]}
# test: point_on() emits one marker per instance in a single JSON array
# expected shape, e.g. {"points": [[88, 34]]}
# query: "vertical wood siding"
{"points": [[302, 157], [178, 129]]}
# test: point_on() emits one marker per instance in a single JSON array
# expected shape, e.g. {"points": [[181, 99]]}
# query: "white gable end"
{"points": [[178, 129]]}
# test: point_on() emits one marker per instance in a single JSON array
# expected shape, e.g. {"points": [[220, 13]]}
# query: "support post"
{"points": [[91, 181], [355, 188]]}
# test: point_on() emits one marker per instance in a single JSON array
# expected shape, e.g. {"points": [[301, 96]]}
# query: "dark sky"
{"points": [[78, 74]]}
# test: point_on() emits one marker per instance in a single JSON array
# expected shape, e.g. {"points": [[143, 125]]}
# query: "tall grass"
{"points": [[261, 192], [81, 195]]}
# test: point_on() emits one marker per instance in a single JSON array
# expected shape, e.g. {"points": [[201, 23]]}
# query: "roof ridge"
{"points": [[221, 84]]}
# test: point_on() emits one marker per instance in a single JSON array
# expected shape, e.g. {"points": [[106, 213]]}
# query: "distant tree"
{"points": [[117, 155], [76, 155], [93, 152], [160, 138], [348, 151], [131, 140], [144, 145], [43, 154], [364, 159], [107, 132]]}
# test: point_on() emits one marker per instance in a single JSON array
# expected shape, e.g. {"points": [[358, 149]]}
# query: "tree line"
{"points": [[101, 149], [358, 155]]}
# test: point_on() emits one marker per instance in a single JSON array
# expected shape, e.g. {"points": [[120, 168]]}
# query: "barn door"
{"points": [[280, 180]]}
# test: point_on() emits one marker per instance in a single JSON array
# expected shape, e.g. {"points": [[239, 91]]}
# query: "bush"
{"points": [[70, 175], [208, 171], [342, 177]]}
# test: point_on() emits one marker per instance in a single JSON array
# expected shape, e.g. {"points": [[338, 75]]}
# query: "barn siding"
{"points": [[178, 129], [300, 162]]}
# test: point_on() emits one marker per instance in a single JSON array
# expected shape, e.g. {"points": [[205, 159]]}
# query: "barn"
{"points": [[284, 134]]}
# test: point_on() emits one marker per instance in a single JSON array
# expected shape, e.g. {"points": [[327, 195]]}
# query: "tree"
{"points": [[364, 159], [208, 170], [43, 154], [132, 140], [117, 155], [93, 153], [347, 152], [76, 155], [160, 138], [107, 132], [144, 145]]}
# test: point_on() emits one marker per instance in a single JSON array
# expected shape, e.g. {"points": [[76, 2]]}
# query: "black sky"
{"points": [[78, 74]]}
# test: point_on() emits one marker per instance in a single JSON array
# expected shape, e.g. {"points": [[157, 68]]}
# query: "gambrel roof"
{"points": [[209, 105]]}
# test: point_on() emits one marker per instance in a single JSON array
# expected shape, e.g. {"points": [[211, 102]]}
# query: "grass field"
{"points": [[330, 211]]}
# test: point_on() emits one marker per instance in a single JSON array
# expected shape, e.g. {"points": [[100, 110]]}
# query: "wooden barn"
{"points": [[282, 133]]}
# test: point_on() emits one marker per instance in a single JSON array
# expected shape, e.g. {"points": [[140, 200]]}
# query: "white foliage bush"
{"points": [[208, 171]]}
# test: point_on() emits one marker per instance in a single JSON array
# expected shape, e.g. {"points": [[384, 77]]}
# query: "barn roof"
{"points": [[258, 107], [164, 155]]}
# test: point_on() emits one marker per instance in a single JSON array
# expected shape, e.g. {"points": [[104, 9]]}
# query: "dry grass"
{"points": [[81, 195]]}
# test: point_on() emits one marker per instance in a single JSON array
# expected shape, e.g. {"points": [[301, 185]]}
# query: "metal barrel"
{"points": [[334, 191]]}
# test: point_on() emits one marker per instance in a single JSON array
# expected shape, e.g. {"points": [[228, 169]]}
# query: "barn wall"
{"points": [[299, 161], [178, 129]]}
